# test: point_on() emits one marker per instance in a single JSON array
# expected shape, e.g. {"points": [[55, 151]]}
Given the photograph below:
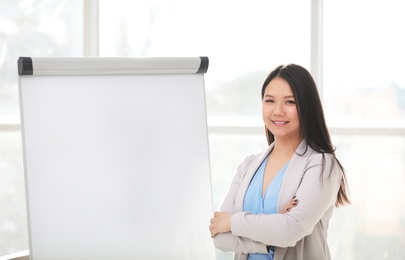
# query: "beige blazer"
{"points": [[298, 235]]}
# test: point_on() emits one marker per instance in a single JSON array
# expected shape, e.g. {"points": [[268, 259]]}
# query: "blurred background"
{"points": [[354, 49]]}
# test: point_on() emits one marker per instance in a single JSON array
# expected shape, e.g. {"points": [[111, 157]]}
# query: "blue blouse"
{"points": [[255, 203]]}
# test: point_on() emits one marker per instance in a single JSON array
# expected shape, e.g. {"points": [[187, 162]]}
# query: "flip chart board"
{"points": [[116, 158]]}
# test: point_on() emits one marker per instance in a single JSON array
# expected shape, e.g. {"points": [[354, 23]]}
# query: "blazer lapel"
{"points": [[293, 175], [250, 172]]}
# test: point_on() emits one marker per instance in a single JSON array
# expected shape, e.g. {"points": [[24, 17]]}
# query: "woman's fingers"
{"points": [[220, 223], [213, 228], [291, 204]]}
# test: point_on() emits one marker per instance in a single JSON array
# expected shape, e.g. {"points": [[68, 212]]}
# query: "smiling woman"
{"points": [[300, 162]]}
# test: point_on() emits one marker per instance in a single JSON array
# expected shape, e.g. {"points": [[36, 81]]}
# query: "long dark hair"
{"points": [[310, 112]]}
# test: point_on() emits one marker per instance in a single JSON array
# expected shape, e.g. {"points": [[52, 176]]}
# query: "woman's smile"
{"points": [[280, 123]]}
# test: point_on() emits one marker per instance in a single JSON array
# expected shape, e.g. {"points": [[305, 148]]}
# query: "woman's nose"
{"points": [[278, 110]]}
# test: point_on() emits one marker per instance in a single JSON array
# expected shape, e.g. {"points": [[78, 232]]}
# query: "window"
{"points": [[364, 100], [243, 40], [364, 83]]}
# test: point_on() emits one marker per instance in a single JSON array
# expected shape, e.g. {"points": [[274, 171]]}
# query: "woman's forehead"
{"points": [[278, 86]]}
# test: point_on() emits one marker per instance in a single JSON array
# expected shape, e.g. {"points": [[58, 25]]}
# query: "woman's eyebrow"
{"points": [[285, 97], [290, 96]]}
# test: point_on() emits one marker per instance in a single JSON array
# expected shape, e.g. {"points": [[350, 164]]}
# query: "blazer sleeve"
{"points": [[317, 193], [227, 241]]}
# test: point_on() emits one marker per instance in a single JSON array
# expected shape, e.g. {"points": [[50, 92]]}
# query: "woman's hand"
{"points": [[291, 204], [221, 222]]}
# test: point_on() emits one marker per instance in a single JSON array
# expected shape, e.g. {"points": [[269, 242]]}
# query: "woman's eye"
{"points": [[269, 101], [290, 102]]}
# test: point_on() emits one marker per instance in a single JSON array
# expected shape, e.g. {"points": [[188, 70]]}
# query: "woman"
{"points": [[299, 162]]}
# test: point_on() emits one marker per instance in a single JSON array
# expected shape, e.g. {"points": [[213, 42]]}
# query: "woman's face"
{"points": [[279, 110]]}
